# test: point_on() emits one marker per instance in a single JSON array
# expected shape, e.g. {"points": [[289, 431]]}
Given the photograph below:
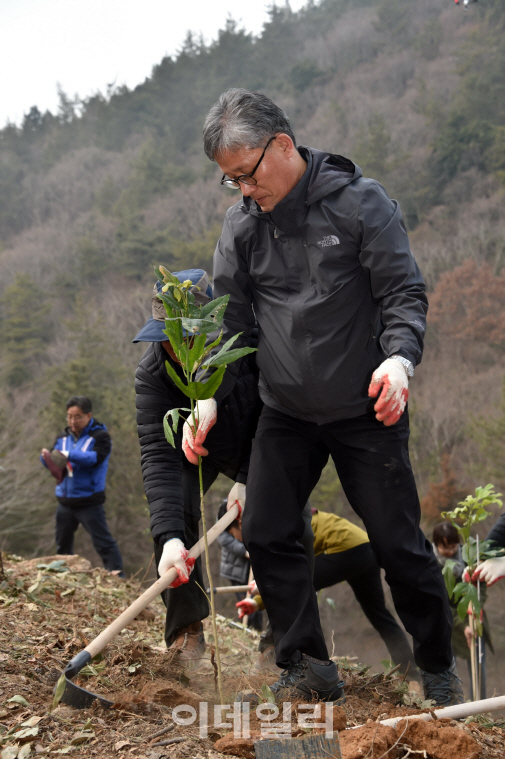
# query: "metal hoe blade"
{"points": [[74, 695]]}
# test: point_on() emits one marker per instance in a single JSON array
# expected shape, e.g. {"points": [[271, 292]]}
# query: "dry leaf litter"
{"points": [[52, 607]]}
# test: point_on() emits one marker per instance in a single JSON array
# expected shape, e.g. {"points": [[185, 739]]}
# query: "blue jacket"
{"points": [[88, 456]]}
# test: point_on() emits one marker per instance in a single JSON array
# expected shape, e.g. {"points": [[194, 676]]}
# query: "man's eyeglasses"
{"points": [[234, 184], [76, 418]]}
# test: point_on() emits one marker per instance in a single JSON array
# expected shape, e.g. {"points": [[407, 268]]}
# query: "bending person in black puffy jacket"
{"points": [[170, 481]]}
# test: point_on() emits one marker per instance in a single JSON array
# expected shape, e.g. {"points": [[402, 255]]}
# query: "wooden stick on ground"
{"points": [[458, 711]]}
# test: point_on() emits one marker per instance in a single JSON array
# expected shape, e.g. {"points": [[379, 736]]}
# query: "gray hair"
{"points": [[242, 119]]}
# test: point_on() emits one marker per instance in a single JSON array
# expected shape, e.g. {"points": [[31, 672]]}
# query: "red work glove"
{"points": [[466, 575], [247, 606], [237, 495], [253, 588], [490, 571], [175, 555], [206, 417], [390, 379]]}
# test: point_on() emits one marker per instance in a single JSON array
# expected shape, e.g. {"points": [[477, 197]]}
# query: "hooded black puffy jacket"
{"points": [[228, 442]]}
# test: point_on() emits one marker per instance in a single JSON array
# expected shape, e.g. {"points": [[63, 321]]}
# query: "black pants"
{"points": [[358, 567], [307, 541], [372, 463], [94, 522], [188, 603]]}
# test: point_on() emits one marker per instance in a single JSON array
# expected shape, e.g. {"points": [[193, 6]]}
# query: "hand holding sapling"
{"points": [[490, 571], [206, 417], [471, 511]]}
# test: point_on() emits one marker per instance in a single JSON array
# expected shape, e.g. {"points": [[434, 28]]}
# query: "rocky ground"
{"points": [[50, 609]]}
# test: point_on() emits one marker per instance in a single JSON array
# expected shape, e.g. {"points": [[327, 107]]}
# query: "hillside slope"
{"points": [[92, 196]]}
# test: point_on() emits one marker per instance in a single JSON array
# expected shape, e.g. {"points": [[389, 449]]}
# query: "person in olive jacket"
{"points": [[170, 481], [319, 257]]}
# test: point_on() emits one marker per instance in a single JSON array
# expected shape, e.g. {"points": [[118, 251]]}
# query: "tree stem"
{"points": [[211, 585]]}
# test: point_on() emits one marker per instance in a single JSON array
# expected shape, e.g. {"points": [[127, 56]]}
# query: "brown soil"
{"points": [[47, 616]]}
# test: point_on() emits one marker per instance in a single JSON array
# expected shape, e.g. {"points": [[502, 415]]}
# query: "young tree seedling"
{"points": [[187, 326]]}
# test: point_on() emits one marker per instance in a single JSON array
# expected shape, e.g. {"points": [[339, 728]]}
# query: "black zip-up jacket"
{"points": [[497, 533], [334, 287], [228, 442]]}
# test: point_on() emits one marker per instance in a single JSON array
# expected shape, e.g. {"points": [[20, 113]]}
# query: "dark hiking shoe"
{"points": [[305, 680], [444, 688], [190, 641]]}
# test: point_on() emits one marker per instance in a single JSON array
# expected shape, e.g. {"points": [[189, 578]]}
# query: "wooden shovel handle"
{"points": [[129, 614], [457, 711]]}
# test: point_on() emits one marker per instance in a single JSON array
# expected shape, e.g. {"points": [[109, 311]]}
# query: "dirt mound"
{"points": [[50, 608], [438, 741]]}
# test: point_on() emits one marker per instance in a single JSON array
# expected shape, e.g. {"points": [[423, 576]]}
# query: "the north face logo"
{"points": [[329, 241]]}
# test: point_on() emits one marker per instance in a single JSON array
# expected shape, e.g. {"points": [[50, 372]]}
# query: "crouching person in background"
{"points": [[236, 563], [446, 546], [343, 553], [171, 481], [79, 461]]}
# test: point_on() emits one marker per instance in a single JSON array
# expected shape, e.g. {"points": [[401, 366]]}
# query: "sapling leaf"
{"points": [[196, 352], [198, 326], [215, 309], [201, 391], [267, 694], [210, 347], [168, 432], [460, 589], [462, 609], [224, 348], [205, 390], [174, 415], [194, 312], [173, 331], [176, 379], [168, 276], [169, 300], [59, 690], [229, 357], [450, 580]]}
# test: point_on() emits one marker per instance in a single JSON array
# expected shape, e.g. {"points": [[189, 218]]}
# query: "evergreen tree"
{"points": [[24, 329]]}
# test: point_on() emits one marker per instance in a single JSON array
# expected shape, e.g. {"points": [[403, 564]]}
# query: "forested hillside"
{"points": [[92, 196]]}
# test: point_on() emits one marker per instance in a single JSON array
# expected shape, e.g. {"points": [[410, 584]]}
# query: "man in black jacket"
{"points": [[319, 256], [170, 481]]}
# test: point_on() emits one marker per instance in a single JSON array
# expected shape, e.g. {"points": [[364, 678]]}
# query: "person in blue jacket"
{"points": [[79, 461]]}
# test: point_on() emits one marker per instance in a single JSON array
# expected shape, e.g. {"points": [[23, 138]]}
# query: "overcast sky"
{"points": [[84, 45]]}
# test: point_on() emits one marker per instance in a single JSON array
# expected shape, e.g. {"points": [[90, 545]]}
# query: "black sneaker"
{"points": [[307, 680], [444, 688]]}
